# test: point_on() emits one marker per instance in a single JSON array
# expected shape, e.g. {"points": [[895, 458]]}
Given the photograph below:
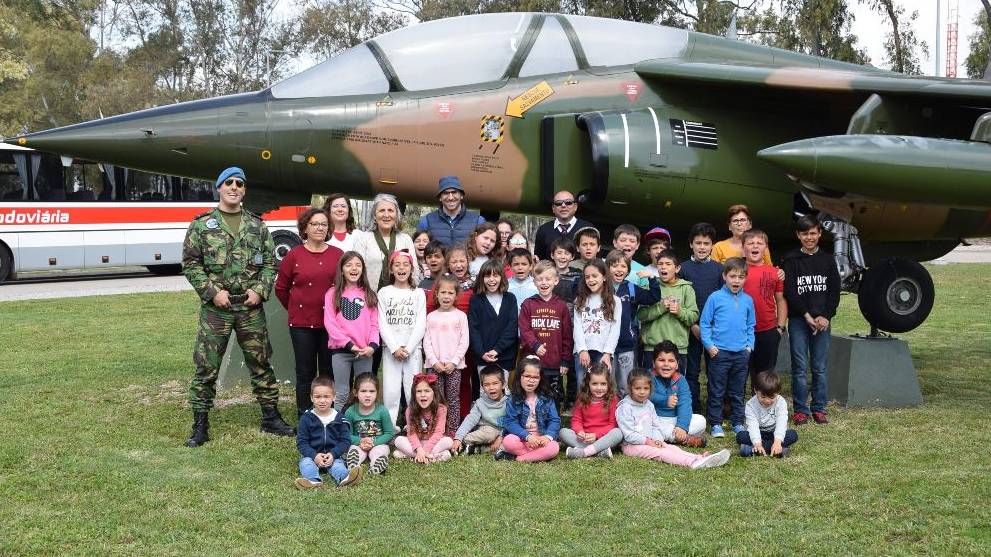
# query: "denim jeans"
{"points": [[693, 369], [767, 439], [806, 349], [594, 357], [309, 469], [727, 373]]}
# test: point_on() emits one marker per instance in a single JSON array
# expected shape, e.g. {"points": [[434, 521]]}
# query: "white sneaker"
{"points": [[711, 461], [398, 455], [574, 452], [605, 453]]}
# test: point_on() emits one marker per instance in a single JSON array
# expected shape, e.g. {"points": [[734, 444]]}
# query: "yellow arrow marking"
{"points": [[529, 99]]}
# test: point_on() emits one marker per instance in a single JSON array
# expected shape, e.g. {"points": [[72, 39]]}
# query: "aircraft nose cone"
{"points": [[798, 158]]}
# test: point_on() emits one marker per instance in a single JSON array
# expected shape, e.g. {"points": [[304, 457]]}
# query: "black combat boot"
{"points": [[273, 423], [201, 430]]}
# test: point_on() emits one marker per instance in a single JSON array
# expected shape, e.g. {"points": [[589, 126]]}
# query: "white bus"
{"points": [[88, 216]]}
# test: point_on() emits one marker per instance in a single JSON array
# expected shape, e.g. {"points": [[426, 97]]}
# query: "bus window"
{"points": [[11, 186], [50, 184]]}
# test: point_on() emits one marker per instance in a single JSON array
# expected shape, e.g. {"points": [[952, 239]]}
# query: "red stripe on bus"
{"points": [[30, 216]]}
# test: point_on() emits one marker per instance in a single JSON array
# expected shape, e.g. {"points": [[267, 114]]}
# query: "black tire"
{"points": [[164, 270], [284, 241], [6, 262], [896, 295]]}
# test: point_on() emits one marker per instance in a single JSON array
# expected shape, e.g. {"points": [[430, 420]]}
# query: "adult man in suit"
{"points": [[565, 223]]}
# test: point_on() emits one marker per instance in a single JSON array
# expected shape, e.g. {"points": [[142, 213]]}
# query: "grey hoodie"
{"points": [[485, 410], [638, 421]]}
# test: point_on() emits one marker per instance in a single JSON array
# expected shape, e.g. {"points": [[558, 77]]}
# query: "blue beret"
{"points": [[227, 173]]}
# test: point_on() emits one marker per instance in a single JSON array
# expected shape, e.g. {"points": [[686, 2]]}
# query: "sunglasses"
{"points": [[234, 182], [567, 203]]}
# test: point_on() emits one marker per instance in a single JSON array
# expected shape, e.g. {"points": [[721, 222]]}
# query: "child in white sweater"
{"points": [[402, 321], [642, 433], [597, 316], [766, 415]]}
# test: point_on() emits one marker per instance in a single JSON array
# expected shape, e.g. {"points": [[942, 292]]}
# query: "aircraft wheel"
{"points": [[6, 262], [284, 241], [164, 270], [896, 295]]}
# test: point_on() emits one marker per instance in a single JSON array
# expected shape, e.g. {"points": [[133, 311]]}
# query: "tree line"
{"points": [[65, 61]]}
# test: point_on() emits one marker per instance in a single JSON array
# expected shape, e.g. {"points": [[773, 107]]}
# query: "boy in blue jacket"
{"points": [[673, 399], [632, 297], [323, 437], [727, 327]]}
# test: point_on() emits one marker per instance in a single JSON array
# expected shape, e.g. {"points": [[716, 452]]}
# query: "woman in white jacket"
{"points": [[383, 238], [402, 321]]}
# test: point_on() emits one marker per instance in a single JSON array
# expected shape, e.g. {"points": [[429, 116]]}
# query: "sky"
{"points": [[865, 26], [867, 22]]}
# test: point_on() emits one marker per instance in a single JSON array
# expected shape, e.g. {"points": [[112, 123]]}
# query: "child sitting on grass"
{"points": [[481, 430], [426, 418], [593, 429], [531, 423], [322, 438], [642, 433], [767, 420], [672, 399], [371, 425]]}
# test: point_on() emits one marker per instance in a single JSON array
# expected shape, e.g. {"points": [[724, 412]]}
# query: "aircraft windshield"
{"points": [[551, 52], [352, 72], [611, 42], [456, 51], [478, 49]]}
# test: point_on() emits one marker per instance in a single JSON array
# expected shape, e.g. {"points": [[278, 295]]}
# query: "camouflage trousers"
{"points": [[216, 325]]}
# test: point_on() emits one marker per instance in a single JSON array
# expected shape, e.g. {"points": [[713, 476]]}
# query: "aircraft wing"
{"points": [[888, 151], [813, 79]]}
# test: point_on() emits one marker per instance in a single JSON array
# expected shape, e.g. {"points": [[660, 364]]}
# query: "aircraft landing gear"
{"points": [[894, 295], [284, 241]]}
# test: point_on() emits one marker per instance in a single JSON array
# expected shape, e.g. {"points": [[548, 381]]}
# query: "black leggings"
{"points": [[309, 345]]}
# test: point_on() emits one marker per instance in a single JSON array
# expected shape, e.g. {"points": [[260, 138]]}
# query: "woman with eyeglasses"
{"points": [[305, 275], [739, 222], [340, 235]]}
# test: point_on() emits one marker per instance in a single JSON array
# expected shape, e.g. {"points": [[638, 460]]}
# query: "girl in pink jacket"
{"points": [[350, 315], [425, 441], [445, 344]]}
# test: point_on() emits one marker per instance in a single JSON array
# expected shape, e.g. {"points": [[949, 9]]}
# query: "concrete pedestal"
{"points": [[872, 372], [232, 368]]}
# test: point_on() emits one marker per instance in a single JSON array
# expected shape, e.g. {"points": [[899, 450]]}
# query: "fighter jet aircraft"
{"points": [[652, 125]]}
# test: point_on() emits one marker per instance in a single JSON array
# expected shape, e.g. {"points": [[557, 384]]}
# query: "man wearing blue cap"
{"points": [[228, 259], [452, 222]]}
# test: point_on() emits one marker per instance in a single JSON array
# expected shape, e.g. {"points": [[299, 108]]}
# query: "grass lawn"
{"points": [[91, 461]]}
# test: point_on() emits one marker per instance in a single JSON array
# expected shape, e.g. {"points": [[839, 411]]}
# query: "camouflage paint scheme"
{"points": [[624, 156], [215, 259]]}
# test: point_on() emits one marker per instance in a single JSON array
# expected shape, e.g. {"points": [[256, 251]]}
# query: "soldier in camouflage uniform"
{"points": [[229, 260]]}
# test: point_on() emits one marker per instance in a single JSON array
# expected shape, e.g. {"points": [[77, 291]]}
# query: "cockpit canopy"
{"points": [[484, 48]]}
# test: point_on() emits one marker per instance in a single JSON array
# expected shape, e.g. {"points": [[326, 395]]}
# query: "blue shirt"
{"points": [[728, 321]]}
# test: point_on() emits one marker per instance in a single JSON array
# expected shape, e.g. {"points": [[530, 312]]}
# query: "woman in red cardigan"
{"points": [[305, 275]]}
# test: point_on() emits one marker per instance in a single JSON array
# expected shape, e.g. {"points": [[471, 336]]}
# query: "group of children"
{"points": [[569, 330]]}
